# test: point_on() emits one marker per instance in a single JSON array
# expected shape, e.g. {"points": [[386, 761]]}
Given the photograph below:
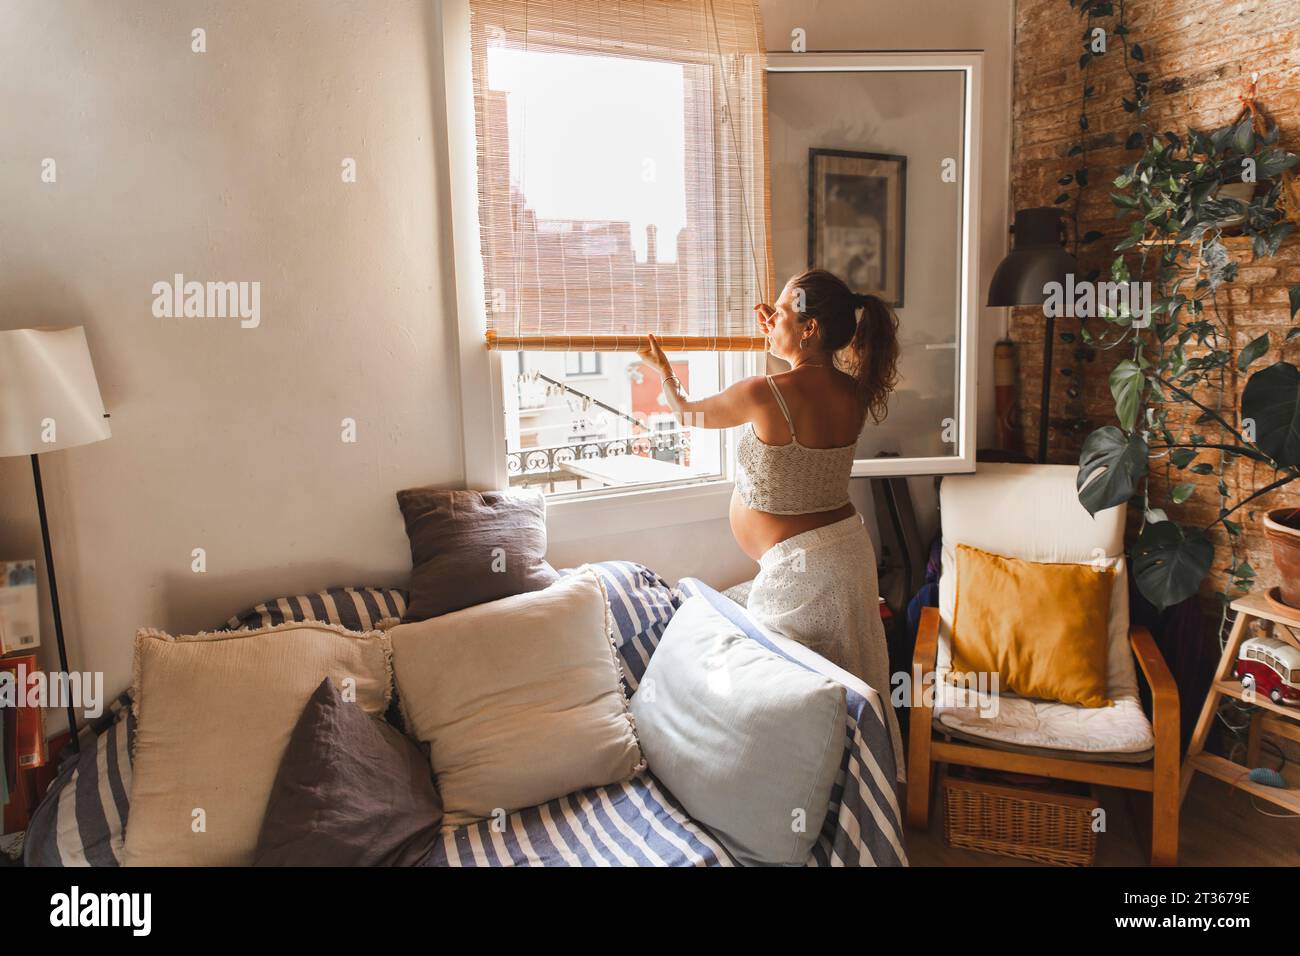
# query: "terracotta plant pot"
{"points": [[1282, 526]]}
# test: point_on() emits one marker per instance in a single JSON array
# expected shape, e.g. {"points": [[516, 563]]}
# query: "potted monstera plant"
{"points": [[1178, 427]]}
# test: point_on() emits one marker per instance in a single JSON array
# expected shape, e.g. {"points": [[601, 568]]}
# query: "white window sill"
{"points": [[621, 512]]}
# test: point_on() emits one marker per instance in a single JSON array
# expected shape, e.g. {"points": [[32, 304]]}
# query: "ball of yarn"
{"points": [[1267, 777]]}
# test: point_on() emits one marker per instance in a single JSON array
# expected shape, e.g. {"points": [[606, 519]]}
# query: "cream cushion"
{"points": [[519, 699], [214, 714], [1032, 512]]}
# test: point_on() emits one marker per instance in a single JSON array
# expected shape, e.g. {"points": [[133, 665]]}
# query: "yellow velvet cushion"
{"points": [[1042, 628]]}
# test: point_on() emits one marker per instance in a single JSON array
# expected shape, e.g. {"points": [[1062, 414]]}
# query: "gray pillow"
{"points": [[471, 547], [350, 791], [747, 741]]}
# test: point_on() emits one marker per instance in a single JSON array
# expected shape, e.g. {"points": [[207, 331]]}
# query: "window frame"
{"points": [[482, 406], [479, 370]]}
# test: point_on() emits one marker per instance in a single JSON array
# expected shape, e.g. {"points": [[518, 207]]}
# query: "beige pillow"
{"points": [[214, 714], [518, 699]]}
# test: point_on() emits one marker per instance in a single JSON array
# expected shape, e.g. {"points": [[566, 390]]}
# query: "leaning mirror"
{"points": [[870, 160]]}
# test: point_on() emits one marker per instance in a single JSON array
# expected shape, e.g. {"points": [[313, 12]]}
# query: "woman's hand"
{"points": [[654, 356], [765, 315]]}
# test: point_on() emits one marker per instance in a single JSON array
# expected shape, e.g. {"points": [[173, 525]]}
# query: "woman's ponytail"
{"points": [[875, 353], [871, 340]]}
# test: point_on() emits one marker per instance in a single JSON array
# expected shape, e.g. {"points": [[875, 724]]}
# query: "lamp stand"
{"points": [[54, 596], [1045, 412]]}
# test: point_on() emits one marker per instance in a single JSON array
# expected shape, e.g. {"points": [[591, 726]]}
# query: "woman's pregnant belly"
{"points": [[758, 531]]}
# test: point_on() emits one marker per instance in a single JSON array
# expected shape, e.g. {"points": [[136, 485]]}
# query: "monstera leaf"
{"points": [[1126, 384], [1110, 466], [1272, 400], [1170, 563]]}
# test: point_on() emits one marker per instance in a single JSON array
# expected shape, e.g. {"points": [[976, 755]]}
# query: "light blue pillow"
{"points": [[747, 741]]}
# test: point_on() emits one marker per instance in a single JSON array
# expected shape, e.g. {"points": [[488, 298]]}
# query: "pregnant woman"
{"points": [[791, 512]]}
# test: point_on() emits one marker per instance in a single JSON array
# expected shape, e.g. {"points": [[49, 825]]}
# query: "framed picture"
{"points": [[856, 219]]}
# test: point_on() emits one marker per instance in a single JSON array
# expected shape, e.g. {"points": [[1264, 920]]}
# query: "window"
{"points": [[570, 432], [620, 177], [581, 363]]}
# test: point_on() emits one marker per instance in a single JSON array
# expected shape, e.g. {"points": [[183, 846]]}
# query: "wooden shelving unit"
{"points": [[1270, 717]]}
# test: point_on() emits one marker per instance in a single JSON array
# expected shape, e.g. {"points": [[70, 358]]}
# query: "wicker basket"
{"points": [[1038, 825]]}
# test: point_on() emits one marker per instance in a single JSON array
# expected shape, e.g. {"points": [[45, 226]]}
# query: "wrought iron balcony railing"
{"points": [[537, 466]]}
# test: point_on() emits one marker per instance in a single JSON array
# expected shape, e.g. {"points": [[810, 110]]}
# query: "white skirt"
{"points": [[820, 588]]}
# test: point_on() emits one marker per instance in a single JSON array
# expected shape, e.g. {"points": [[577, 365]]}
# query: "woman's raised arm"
{"points": [[734, 405]]}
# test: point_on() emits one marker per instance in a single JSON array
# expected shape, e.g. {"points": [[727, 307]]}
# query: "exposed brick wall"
{"points": [[1199, 56]]}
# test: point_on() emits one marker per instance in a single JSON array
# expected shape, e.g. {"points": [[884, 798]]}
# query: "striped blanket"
{"points": [[82, 819]]}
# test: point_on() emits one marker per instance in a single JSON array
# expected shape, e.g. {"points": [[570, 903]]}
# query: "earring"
{"points": [[803, 343]]}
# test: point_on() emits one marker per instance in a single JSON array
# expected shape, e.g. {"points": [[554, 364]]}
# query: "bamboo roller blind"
{"points": [[577, 285]]}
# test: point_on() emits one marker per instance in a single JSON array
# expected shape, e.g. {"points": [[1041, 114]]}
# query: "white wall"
{"points": [[226, 166]]}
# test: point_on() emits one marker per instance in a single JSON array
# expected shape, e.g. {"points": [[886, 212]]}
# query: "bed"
{"points": [[82, 817]]}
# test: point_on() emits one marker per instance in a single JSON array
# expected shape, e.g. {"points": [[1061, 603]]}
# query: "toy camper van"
{"points": [[1270, 667]]}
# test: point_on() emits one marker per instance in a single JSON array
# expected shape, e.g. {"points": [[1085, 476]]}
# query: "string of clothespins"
{"points": [[588, 401]]}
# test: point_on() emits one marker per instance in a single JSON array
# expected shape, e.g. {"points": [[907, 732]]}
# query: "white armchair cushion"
{"points": [[1066, 729], [1032, 512]]}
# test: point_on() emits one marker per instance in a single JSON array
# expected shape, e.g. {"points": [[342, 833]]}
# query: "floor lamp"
{"points": [[1037, 257], [49, 400]]}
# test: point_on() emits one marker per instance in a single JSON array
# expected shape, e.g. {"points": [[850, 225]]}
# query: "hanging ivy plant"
{"points": [[1105, 23], [1075, 183]]}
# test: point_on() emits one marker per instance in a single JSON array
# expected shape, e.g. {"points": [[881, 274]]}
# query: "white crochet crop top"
{"points": [[791, 479]]}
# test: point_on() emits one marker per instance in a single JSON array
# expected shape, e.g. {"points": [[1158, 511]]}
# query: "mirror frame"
{"points": [[970, 65]]}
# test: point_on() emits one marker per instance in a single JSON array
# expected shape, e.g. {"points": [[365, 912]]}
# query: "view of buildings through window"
{"points": [[564, 430], [573, 198]]}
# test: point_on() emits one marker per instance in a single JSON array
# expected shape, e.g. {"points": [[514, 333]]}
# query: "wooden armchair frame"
{"points": [[1158, 777]]}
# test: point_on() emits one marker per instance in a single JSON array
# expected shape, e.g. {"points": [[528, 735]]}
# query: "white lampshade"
{"points": [[49, 398]]}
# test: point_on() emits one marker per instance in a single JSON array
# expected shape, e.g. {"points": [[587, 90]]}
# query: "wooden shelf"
{"points": [[1235, 774], [1229, 688], [1256, 605], [1279, 728]]}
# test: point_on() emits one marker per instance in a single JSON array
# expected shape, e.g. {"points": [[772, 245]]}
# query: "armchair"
{"points": [[1032, 512]]}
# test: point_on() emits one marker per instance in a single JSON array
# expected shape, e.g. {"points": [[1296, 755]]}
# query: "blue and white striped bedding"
{"points": [[82, 818], [638, 823], [357, 609], [634, 823]]}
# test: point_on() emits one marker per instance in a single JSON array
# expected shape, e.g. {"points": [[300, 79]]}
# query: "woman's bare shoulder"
{"points": [[753, 387], [752, 393]]}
